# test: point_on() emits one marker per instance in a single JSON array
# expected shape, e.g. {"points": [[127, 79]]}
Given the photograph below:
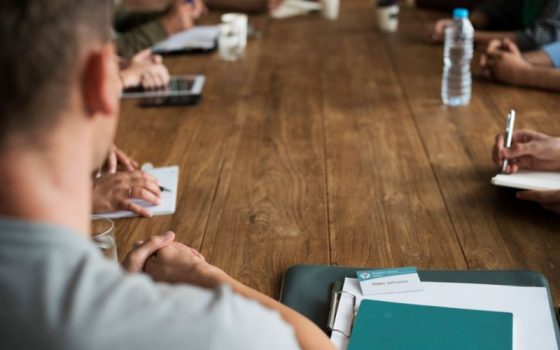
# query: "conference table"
{"points": [[328, 143]]}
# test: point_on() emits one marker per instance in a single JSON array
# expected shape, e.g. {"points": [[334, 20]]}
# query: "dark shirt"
{"points": [[536, 22]]}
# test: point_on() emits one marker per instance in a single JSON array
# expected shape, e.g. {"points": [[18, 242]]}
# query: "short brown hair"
{"points": [[40, 41]]}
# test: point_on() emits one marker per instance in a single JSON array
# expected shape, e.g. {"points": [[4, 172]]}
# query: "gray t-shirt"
{"points": [[58, 292]]}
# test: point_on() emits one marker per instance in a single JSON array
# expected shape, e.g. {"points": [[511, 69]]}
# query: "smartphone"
{"points": [[182, 90]]}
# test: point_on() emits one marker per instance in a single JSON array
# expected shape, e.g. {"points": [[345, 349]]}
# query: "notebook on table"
{"points": [[529, 180], [397, 326], [168, 178], [197, 39]]}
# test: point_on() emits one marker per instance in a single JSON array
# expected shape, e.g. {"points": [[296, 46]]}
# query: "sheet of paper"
{"points": [[532, 319], [291, 8], [529, 180], [169, 178], [199, 37]]}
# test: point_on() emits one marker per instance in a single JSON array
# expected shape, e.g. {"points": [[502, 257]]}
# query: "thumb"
{"points": [[511, 47], [136, 259]]}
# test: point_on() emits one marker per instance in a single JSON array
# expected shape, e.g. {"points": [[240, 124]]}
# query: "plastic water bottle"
{"points": [[458, 51]]}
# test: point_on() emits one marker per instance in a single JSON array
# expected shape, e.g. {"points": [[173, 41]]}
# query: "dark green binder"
{"points": [[307, 288]]}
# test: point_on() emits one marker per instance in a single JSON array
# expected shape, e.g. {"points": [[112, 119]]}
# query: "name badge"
{"points": [[403, 279]]}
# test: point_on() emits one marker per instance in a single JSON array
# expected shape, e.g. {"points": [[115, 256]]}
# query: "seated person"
{"points": [[530, 24], [503, 62], [531, 150], [58, 291], [448, 5], [244, 5], [138, 30]]}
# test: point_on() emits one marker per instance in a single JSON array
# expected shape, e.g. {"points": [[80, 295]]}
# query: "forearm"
{"points": [[538, 58], [541, 77], [309, 336], [238, 5], [484, 37]]}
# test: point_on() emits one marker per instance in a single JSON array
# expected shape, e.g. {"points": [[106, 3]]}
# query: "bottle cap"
{"points": [[460, 13]]}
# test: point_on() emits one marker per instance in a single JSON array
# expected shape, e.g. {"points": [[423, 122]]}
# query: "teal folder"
{"points": [[395, 326]]}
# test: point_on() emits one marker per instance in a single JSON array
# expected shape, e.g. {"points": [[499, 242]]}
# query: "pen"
{"points": [[508, 136], [163, 189]]}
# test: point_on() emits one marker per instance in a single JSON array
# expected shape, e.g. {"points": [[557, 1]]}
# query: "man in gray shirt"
{"points": [[58, 115]]}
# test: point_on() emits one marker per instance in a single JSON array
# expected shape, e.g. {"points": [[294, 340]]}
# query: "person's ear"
{"points": [[100, 85]]}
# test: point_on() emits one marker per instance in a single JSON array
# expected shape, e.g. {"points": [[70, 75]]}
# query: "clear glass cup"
{"points": [[229, 43], [103, 236]]}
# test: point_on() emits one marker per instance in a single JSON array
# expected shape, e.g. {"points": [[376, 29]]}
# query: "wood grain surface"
{"points": [[328, 143]]}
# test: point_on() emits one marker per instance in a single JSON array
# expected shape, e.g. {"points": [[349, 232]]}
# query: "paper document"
{"points": [[529, 180], [168, 178], [532, 318], [291, 8], [197, 38]]}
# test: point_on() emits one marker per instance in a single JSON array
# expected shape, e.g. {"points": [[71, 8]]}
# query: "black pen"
{"points": [[163, 189]]}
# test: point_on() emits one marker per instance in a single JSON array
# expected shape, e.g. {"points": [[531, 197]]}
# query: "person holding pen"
{"points": [[531, 150], [58, 119]]}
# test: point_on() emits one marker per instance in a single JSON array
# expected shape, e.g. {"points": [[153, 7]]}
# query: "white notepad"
{"points": [[197, 38], [529, 180], [169, 178], [533, 326]]}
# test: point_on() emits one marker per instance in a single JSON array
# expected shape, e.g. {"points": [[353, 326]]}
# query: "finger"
{"points": [[157, 59], [145, 195], [497, 149], [142, 55], [483, 61], [112, 162], [136, 259], [521, 149], [494, 46], [510, 46], [125, 160], [146, 182], [135, 208]]}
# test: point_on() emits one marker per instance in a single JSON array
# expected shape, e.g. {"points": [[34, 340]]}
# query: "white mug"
{"points": [[388, 18], [241, 23], [330, 8]]}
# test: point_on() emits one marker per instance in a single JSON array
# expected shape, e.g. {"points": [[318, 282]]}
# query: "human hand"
{"points": [[115, 192], [504, 62], [530, 150], [118, 159], [145, 70], [179, 18], [136, 259], [436, 31], [199, 8], [177, 263], [274, 4], [549, 200]]}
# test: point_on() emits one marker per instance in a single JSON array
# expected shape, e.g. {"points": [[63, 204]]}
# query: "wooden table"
{"points": [[328, 143]]}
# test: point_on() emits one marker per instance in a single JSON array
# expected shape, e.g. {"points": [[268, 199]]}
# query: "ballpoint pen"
{"points": [[508, 136], [164, 189]]}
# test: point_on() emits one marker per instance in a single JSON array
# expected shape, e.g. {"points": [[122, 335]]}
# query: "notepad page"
{"points": [[168, 177], [532, 319], [199, 37], [529, 180]]}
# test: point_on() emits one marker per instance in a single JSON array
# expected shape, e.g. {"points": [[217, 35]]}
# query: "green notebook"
{"points": [[393, 326]]}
